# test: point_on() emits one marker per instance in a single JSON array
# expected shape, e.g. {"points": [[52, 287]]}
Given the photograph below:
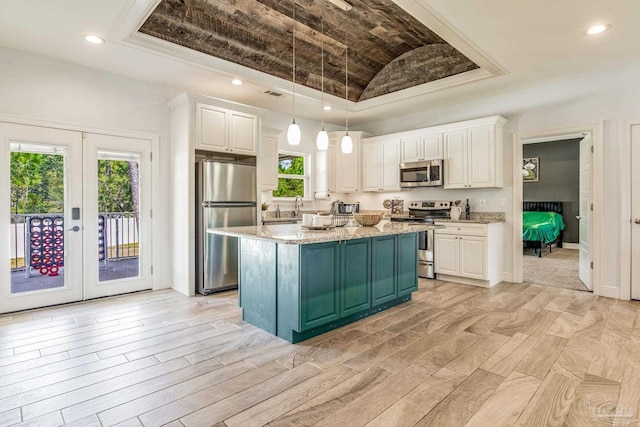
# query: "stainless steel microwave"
{"points": [[427, 173]]}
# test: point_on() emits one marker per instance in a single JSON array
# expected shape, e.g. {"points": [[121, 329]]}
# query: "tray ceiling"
{"points": [[389, 50]]}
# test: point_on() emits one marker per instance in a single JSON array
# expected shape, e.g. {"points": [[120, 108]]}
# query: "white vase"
{"points": [[455, 212]]}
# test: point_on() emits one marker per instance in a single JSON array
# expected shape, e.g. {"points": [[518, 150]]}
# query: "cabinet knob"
{"points": [[637, 220]]}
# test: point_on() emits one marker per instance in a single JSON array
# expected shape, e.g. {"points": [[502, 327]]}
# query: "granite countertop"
{"points": [[297, 235], [478, 218]]}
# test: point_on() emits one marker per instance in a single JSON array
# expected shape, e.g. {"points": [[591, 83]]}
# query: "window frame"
{"points": [[305, 178]]}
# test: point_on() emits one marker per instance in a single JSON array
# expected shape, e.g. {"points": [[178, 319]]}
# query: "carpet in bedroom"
{"points": [[558, 268]]}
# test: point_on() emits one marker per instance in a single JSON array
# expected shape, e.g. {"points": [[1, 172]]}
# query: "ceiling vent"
{"points": [[273, 93]]}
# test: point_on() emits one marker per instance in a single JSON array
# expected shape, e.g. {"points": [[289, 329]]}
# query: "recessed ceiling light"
{"points": [[327, 108], [93, 39], [237, 82], [597, 29]]}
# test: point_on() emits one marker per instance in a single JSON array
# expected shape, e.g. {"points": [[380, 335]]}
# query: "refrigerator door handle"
{"points": [[209, 204]]}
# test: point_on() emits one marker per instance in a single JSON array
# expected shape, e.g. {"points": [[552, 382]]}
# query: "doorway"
{"points": [[592, 209], [77, 208], [556, 184]]}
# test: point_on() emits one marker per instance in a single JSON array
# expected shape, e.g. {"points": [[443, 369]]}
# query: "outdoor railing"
{"points": [[118, 238]]}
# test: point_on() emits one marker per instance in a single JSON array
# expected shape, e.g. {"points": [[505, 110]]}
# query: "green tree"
{"points": [[114, 186], [37, 183], [290, 187]]}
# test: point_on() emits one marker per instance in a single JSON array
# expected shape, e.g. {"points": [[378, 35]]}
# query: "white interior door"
{"points": [[635, 212], [40, 217], [117, 205], [584, 219]]}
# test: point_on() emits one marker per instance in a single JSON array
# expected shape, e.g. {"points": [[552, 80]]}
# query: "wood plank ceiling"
{"points": [[389, 50]]}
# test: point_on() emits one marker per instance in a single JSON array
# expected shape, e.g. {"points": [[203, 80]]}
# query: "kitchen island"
{"points": [[297, 283]]}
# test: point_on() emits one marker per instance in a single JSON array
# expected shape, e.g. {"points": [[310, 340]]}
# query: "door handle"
{"points": [[75, 229], [578, 217], [637, 220]]}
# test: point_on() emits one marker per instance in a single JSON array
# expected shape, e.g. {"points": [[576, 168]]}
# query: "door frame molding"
{"points": [[625, 206], [155, 173], [597, 194]]}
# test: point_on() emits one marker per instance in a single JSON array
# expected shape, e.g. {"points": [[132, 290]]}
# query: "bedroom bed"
{"points": [[542, 225]]}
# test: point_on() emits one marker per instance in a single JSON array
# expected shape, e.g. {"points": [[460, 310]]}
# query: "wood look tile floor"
{"points": [[455, 355]]}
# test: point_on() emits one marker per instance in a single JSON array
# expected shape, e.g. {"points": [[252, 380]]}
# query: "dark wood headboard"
{"points": [[542, 207]]}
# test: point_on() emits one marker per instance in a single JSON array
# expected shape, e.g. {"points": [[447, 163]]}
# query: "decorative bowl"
{"points": [[368, 218]]}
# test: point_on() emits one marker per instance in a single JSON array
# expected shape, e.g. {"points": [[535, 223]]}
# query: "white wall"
{"points": [[40, 88]]}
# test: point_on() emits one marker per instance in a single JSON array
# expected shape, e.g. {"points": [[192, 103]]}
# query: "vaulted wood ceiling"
{"points": [[388, 49]]}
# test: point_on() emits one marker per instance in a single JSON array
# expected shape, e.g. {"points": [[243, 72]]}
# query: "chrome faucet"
{"points": [[296, 207]]}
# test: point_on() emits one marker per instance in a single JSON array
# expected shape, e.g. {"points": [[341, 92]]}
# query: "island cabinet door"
{"points": [[384, 284], [355, 289], [319, 284], [407, 263]]}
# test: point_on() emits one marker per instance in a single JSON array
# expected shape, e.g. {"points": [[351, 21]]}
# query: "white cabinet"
{"points": [[325, 170], [331, 168], [469, 253], [473, 155], [420, 147], [347, 174], [221, 129], [380, 165], [268, 160]]}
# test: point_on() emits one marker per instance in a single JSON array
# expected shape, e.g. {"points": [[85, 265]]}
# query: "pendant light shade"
{"points": [[322, 142], [347, 144], [293, 133]]}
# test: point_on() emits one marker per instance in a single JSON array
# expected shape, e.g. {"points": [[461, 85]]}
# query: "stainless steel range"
{"points": [[426, 211]]}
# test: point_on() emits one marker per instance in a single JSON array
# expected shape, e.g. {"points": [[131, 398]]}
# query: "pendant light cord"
{"points": [[293, 68], [322, 66], [346, 70]]}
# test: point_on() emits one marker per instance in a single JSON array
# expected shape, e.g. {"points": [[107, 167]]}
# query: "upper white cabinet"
{"points": [[380, 165], [268, 160], [473, 154], [221, 129], [347, 173], [423, 146], [331, 168]]}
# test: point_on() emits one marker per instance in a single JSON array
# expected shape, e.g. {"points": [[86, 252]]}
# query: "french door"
{"points": [[74, 216]]}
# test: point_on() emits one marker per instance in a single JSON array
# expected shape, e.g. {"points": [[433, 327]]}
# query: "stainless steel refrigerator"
{"points": [[225, 197]]}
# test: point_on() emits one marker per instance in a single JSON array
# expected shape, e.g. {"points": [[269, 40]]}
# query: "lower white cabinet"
{"points": [[469, 253]]}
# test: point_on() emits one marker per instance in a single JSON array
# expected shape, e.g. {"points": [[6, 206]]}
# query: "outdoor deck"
{"points": [[117, 251]]}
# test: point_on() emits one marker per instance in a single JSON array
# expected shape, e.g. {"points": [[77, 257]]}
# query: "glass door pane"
{"points": [[118, 219], [117, 203], [42, 263], [37, 217]]}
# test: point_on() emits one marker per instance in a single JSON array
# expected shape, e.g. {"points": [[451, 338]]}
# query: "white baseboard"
{"points": [[571, 245], [507, 277]]}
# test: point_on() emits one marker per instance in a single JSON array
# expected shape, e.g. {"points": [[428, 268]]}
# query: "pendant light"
{"points": [[322, 141], [347, 142], [293, 133]]}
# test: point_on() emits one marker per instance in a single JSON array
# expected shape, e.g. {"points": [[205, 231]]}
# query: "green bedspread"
{"points": [[541, 226]]}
